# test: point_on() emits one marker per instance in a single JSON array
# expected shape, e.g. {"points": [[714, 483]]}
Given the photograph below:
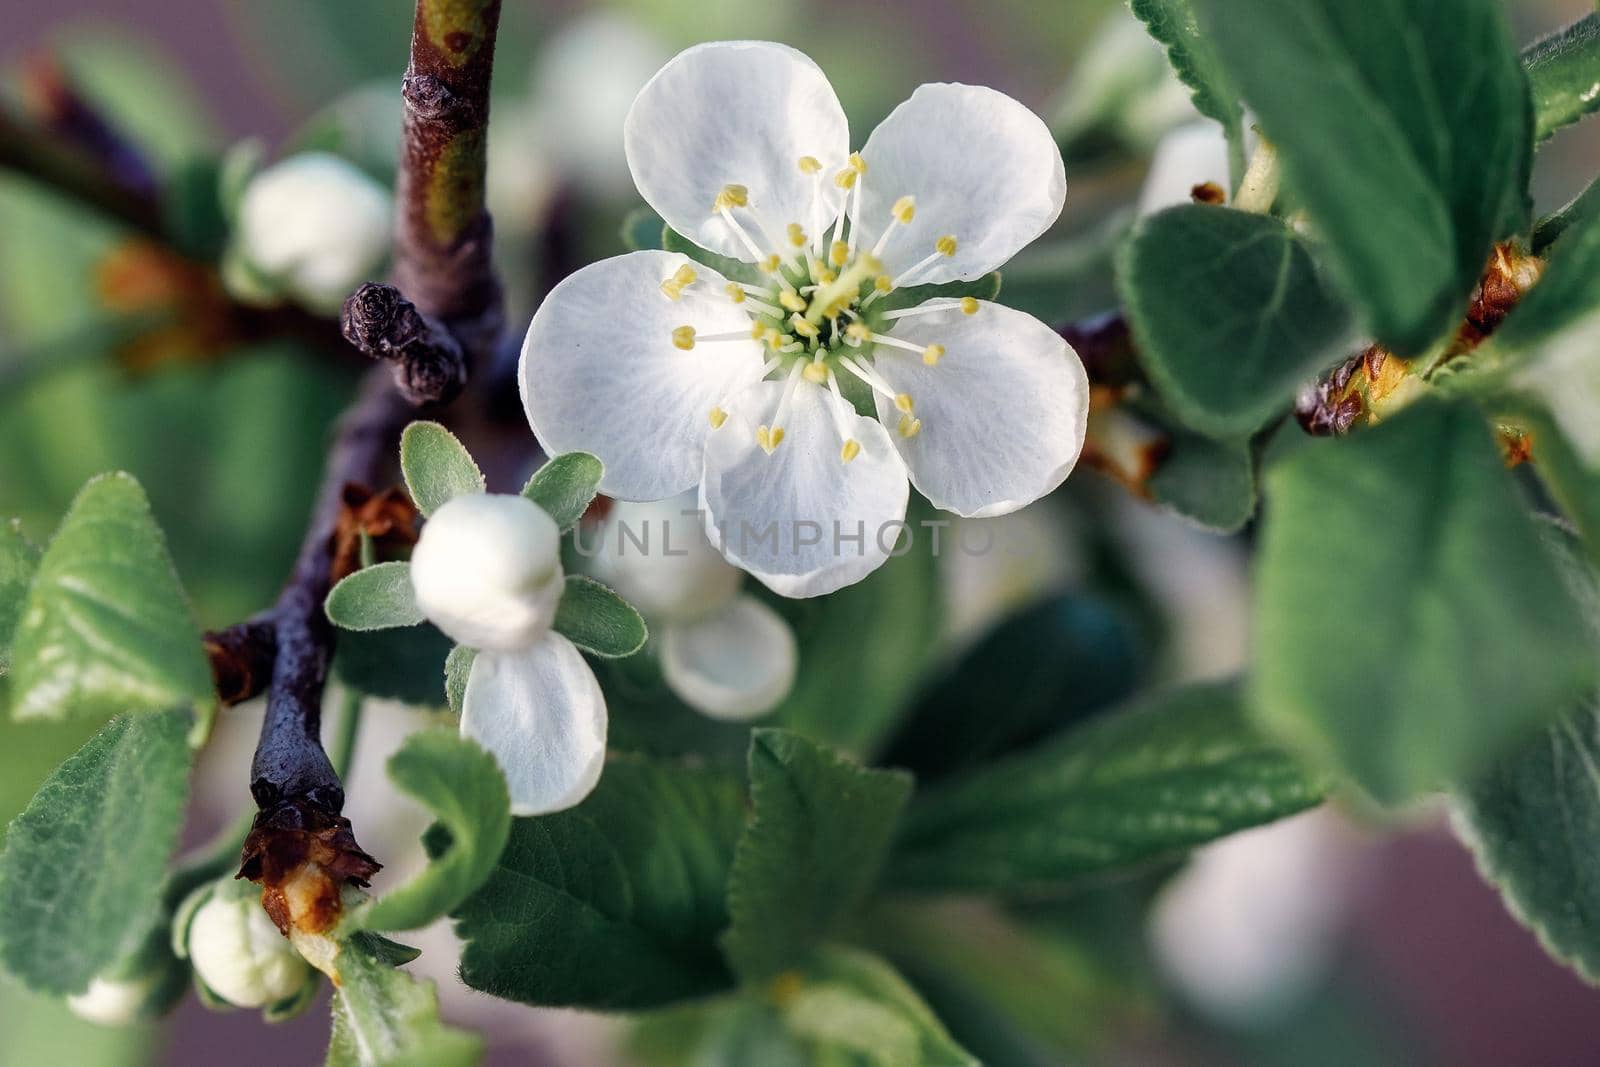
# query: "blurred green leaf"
{"points": [[105, 627], [383, 1017], [565, 487], [141, 90], [437, 467], [615, 904], [811, 852], [1194, 58], [19, 559], [1409, 622], [374, 598], [1230, 314], [457, 669], [641, 230], [1057, 662], [1568, 290], [1563, 70], [462, 786], [597, 620], [1208, 481], [1147, 782], [1379, 116], [83, 865], [404, 664]]}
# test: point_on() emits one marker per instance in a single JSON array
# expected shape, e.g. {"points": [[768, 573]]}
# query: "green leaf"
{"points": [[437, 467], [19, 559], [457, 669], [374, 598], [732, 269], [615, 904], [1208, 481], [1059, 661], [565, 486], [853, 1001], [1147, 782], [1568, 291], [106, 628], [597, 620], [1194, 58], [641, 230], [1564, 75], [402, 664], [1531, 818], [83, 865], [1380, 115], [383, 1017], [1409, 623], [1230, 314], [810, 854], [462, 786]]}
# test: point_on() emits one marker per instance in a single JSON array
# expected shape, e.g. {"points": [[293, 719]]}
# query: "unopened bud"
{"points": [[240, 955]]}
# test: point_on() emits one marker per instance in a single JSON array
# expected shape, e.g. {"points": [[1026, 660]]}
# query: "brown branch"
{"points": [[33, 152]]}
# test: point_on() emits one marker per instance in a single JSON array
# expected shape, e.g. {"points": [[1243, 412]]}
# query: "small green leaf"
{"points": [[1379, 115], [401, 664], [615, 904], [462, 786], [1564, 75], [375, 598], [1147, 782], [106, 628], [1208, 481], [19, 559], [1173, 23], [812, 850], [383, 1017], [84, 864], [1409, 622], [1230, 314], [565, 486], [457, 669], [641, 230], [437, 467], [597, 620], [1531, 818]]}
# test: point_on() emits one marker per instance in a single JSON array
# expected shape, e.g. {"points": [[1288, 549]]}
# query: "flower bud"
{"points": [[116, 1002], [657, 558], [240, 955], [487, 571], [314, 227]]}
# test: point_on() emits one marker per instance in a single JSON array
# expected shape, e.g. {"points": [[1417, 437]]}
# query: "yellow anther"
{"points": [[730, 197], [717, 417], [773, 337], [683, 337], [838, 253], [769, 438], [826, 277], [904, 209], [802, 327], [810, 164], [791, 300], [797, 236], [883, 283], [931, 355], [845, 179], [946, 245], [857, 332], [910, 426], [770, 264], [758, 330], [674, 286], [851, 449], [969, 305], [858, 164], [903, 402], [735, 293], [815, 373]]}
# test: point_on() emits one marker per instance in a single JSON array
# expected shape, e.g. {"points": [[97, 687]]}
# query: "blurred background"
{"points": [[1314, 941]]}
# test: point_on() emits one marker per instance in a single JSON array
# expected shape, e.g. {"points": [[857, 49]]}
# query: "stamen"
{"points": [[717, 417], [738, 231], [910, 426], [933, 354], [839, 254], [944, 247], [841, 411], [735, 293], [802, 327], [797, 236], [731, 196], [792, 301], [810, 165], [683, 337], [851, 449], [815, 373], [903, 402], [902, 213], [967, 306], [770, 437], [863, 371], [674, 286]]}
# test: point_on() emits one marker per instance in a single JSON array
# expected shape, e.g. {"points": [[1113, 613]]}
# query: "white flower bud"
{"points": [[111, 1002], [241, 956], [316, 226], [657, 558], [487, 571]]}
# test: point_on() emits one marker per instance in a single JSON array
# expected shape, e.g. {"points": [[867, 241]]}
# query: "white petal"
{"points": [[1185, 158], [541, 713], [1003, 411], [657, 558], [983, 169], [735, 665], [736, 113], [600, 373], [801, 520]]}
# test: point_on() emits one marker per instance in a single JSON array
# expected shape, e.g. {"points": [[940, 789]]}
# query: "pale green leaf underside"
{"points": [[565, 486], [597, 620], [383, 1017], [437, 467], [19, 559], [375, 598]]}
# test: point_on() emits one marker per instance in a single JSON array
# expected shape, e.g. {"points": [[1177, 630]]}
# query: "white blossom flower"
{"points": [[1188, 156], [487, 571], [676, 376], [315, 226], [722, 652], [240, 955], [115, 1002]]}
